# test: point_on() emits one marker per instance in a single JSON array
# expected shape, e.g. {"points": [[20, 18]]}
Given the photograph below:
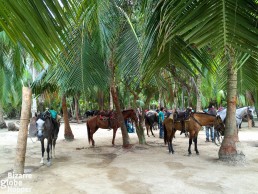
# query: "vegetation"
{"points": [[135, 52]]}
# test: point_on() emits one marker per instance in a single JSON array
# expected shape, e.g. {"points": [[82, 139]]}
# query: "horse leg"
{"points": [[42, 151], [147, 127], [48, 150], [54, 148], [189, 148], [151, 130], [114, 136], [195, 145], [91, 137], [171, 146], [171, 139]]}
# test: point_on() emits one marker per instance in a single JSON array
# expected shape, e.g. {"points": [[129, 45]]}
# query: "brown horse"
{"points": [[101, 121], [193, 125]]}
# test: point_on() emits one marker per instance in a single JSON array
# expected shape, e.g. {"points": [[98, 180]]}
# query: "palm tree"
{"points": [[229, 28]]}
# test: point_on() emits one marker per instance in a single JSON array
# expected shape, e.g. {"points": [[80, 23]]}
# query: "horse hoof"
{"points": [[197, 153], [48, 163], [41, 162]]}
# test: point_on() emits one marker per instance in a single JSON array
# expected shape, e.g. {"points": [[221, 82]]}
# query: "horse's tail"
{"points": [[165, 134], [88, 132]]}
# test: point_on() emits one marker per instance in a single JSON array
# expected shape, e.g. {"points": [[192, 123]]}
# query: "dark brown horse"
{"points": [[151, 117], [193, 125], [46, 129], [104, 122]]}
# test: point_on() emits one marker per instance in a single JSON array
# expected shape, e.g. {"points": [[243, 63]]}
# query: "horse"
{"points": [[100, 121], [181, 116], [240, 114], [90, 113], [151, 117], [193, 125], [46, 129]]}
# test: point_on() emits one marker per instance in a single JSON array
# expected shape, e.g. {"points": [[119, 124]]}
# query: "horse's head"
{"points": [[134, 116], [40, 127], [219, 125], [250, 112], [41, 122]]}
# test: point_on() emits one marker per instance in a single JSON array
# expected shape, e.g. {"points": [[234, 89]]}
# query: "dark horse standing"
{"points": [[193, 125], [47, 130], [151, 117], [102, 121]]}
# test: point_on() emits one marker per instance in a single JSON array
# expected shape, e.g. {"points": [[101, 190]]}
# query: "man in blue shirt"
{"points": [[161, 119]]}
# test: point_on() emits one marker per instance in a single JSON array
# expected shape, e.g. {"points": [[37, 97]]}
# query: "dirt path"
{"points": [[79, 168]]}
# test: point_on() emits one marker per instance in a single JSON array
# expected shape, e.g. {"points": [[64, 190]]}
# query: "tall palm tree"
{"points": [[12, 69], [228, 27]]}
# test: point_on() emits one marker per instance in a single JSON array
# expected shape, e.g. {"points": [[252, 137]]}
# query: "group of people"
{"points": [[210, 129]]}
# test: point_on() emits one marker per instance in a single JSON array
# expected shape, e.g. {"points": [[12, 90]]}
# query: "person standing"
{"points": [[209, 128], [161, 119]]}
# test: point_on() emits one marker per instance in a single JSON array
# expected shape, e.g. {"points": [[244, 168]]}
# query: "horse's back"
{"points": [[168, 122]]}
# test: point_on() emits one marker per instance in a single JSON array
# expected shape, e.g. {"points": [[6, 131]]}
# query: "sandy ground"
{"points": [[80, 168]]}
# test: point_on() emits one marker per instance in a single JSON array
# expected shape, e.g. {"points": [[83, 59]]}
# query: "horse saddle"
{"points": [[104, 116]]}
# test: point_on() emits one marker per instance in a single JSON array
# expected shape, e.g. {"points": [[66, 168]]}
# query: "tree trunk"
{"points": [[229, 148], [139, 126], [183, 100], [126, 139], [161, 100], [199, 100], [76, 108], [68, 134], [23, 131], [111, 104], [2, 122], [101, 100], [34, 100]]}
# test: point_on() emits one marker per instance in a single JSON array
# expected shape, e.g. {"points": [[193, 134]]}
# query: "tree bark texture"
{"points": [[113, 91], [229, 147], [76, 108], [101, 100], [68, 134], [199, 100], [2, 122], [126, 139], [22, 134]]}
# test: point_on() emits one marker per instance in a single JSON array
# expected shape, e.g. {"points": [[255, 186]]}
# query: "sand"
{"points": [[80, 168]]}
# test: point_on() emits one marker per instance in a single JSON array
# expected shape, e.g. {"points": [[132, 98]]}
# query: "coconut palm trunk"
{"points": [[139, 126], [126, 139], [198, 93], [68, 134], [2, 122], [23, 131], [229, 150], [76, 108]]}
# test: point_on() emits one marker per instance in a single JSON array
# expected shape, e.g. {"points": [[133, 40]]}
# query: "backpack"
{"points": [[53, 114]]}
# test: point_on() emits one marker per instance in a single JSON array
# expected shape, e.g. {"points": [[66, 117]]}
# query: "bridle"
{"points": [[191, 115]]}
